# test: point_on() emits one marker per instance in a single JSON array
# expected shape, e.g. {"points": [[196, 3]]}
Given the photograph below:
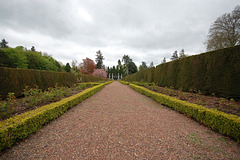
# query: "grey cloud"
{"points": [[146, 30]]}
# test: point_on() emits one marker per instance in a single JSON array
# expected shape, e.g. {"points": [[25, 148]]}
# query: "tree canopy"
{"points": [[3, 44], [67, 67], [225, 31], [174, 56], [20, 57], [87, 66], [99, 60]]}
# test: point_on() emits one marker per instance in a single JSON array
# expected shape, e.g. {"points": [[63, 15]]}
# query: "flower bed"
{"points": [[226, 124], [19, 127]]}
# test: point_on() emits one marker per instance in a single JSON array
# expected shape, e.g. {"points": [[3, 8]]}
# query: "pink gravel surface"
{"points": [[119, 123]]}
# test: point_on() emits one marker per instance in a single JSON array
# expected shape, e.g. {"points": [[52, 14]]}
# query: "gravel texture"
{"points": [[119, 123]]}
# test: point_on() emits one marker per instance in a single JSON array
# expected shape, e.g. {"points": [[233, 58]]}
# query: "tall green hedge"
{"points": [[15, 80], [215, 72], [91, 78], [146, 75], [212, 72]]}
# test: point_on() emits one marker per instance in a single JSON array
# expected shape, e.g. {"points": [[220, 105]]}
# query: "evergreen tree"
{"points": [[151, 65], [144, 65], [164, 60], [99, 60], [126, 59], [67, 68], [3, 44], [33, 49], [182, 54], [132, 68], [174, 56]]}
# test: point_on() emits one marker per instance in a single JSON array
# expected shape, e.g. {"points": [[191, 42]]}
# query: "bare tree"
{"points": [[225, 31]]}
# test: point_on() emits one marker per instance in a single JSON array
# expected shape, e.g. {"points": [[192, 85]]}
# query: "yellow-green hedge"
{"points": [[124, 82], [226, 124], [19, 127]]}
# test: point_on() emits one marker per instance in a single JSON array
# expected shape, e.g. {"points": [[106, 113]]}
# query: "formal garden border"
{"points": [[221, 122], [19, 127]]}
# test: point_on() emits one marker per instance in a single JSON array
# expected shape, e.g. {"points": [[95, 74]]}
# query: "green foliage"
{"points": [[99, 60], [91, 78], [132, 68], [15, 80], [19, 127], [67, 68], [4, 60], [146, 75], [124, 82], [7, 107], [19, 57], [213, 72], [174, 56], [223, 123], [32, 96], [3, 44], [35, 96]]}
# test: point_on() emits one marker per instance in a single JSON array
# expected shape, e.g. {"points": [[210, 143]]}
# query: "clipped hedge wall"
{"points": [[215, 72], [19, 127], [212, 72], [15, 80], [225, 124], [146, 75], [91, 78]]}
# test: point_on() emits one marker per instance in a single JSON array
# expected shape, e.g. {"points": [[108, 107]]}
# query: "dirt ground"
{"points": [[222, 104], [120, 123]]}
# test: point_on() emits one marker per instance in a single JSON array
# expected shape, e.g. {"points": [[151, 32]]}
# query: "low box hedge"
{"points": [[124, 82], [19, 127], [221, 122]]}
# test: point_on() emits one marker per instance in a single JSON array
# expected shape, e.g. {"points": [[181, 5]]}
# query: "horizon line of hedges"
{"points": [[21, 126], [15, 80], [226, 124], [215, 72]]}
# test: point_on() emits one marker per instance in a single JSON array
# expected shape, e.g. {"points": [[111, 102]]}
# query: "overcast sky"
{"points": [[146, 30]]}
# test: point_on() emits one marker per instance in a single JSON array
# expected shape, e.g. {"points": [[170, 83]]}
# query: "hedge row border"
{"points": [[226, 124], [216, 72], [19, 127]]}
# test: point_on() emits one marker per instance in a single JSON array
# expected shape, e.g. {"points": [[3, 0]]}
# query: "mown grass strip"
{"points": [[221, 122], [19, 127]]}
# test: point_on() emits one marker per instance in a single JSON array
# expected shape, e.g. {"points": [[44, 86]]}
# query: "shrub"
{"points": [[19, 127], [212, 72], [7, 107], [15, 80], [226, 124]]}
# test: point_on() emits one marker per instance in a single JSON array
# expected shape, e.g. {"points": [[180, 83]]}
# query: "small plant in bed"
{"points": [[35, 97], [7, 106]]}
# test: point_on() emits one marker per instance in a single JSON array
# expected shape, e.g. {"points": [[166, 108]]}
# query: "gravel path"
{"points": [[119, 123]]}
